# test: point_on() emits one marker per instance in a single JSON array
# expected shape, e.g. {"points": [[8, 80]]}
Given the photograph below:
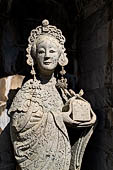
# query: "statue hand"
{"points": [[68, 110]]}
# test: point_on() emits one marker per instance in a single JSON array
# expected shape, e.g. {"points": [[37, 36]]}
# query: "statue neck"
{"points": [[45, 78]]}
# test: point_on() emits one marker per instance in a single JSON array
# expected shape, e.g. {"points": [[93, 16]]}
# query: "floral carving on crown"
{"points": [[46, 29]]}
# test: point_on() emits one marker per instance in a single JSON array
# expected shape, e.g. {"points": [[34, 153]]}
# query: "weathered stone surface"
{"points": [[92, 60], [38, 114]]}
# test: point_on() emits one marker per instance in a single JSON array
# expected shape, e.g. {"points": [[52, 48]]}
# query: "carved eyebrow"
{"points": [[42, 48], [52, 47], [40, 51]]}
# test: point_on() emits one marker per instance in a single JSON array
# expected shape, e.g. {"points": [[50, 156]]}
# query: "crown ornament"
{"points": [[44, 29]]}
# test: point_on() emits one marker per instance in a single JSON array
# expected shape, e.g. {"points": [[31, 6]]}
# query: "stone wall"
{"points": [[93, 63]]}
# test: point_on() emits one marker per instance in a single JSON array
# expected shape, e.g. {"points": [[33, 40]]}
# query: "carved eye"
{"points": [[52, 51], [41, 51]]}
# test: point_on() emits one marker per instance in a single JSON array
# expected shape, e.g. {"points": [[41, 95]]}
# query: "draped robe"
{"points": [[38, 133]]}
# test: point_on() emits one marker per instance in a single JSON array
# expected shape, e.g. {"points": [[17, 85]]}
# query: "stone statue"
{"points": [[44, 107]]}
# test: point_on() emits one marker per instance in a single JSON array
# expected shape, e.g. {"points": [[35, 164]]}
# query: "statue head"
{"points": [[46, 48]]}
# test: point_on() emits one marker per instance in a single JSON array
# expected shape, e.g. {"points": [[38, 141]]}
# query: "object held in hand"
{"points": [[80, 110]]}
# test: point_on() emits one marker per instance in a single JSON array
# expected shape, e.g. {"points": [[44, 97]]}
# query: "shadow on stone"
{"points": [[7, 160]]}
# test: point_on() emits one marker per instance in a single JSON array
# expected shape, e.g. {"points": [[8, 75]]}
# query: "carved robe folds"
{"points": [[38, 133]]}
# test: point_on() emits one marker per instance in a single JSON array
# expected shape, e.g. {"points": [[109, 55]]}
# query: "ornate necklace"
{"points": [[47, 95]]}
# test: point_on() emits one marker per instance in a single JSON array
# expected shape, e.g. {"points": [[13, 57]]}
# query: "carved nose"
{"points": [[47, 54]]}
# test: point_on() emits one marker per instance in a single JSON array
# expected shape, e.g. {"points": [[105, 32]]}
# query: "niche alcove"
{"points": [[87, 28]]}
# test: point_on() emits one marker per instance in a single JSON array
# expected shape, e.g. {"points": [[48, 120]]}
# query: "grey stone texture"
{"points": [[40, 114], [94, 68]]}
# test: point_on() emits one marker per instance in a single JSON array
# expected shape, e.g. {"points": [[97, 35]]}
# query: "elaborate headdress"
{"points": [[49, 30]]}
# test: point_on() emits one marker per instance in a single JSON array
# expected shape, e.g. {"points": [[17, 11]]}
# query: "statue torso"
{"points": [[37, 119]]}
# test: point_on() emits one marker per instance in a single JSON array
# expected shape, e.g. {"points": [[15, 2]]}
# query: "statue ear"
{"points": [[63, 60]]}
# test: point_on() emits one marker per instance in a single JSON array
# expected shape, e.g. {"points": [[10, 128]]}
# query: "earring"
{"points": [[30, 61], [33, 71], [63, 61]]}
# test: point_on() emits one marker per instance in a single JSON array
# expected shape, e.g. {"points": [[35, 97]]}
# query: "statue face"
{"points": [[47, 55]]}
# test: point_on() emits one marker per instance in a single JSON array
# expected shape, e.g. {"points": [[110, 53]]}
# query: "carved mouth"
{"points": [[47, 62]]}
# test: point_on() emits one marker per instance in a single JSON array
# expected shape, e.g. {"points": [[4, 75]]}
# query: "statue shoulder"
{"points": [[22, 99]]}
